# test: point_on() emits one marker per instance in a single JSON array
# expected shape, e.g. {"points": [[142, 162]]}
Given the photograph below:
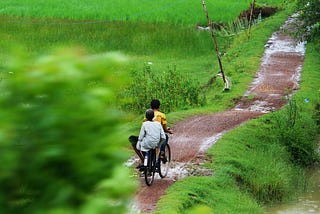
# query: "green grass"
{"points": [[219, 193], [310, 81], [258, 165], [179, 11]]}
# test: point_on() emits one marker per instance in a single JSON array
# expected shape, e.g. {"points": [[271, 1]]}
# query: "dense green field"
{"points": [[178, 11], [161, 32]]}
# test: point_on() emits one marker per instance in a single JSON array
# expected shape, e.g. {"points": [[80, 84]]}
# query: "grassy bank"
{"points": [[252, 166]]}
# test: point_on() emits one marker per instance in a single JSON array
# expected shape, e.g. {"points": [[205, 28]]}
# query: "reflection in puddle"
{"points": [[306, 203]]}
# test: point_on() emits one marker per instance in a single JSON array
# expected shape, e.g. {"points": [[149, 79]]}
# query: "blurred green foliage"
{"points": [[60, 138]]}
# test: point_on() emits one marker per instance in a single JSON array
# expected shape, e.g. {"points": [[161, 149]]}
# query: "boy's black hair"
{"points": [[155, 104], [149, 114]]}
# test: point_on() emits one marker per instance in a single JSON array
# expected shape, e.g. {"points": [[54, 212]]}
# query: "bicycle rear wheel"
{"points": [[150, 169], [164, 163]]}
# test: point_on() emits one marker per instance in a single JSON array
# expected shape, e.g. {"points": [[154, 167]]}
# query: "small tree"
{"points": [[60, 140]]}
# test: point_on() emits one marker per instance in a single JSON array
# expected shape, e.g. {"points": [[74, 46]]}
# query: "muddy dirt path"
{"points": [[278, 74]]}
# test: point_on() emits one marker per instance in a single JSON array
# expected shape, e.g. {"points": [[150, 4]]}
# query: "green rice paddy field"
{"points": [[162, 32], [178, 11], [159, 31]]}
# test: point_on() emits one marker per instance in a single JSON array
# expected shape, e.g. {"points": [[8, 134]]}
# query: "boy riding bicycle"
{"points": [[159, 117], [151, 136]]}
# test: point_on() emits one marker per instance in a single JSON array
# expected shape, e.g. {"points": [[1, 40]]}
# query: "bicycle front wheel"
{"points": [[150, 169], [164, 162]]}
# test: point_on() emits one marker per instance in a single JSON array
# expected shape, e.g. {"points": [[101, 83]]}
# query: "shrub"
{"points": [[310, 11], [309, 14], [174, 90], [297, 131]]}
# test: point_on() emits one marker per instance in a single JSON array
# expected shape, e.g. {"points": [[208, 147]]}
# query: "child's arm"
{"points": [[162, 135], [142, 133]]}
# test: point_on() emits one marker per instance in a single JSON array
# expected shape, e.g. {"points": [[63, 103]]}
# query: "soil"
{"points": [[264, 12], [278, 76]]}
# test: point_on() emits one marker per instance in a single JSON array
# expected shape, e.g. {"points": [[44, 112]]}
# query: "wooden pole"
{"points": [[214, 40], [250, 19]]}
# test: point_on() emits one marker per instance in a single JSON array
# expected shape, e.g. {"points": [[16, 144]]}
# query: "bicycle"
{"points": [[153, 164]]}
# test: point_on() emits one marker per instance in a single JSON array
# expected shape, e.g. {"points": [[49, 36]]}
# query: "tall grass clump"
{"points": [[218, 194], [61, 143], [258, 165], [297, 131], [175, 90]]}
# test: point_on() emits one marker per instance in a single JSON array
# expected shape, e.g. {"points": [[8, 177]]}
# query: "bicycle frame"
{"points": [[149, 166], [154, 163]]}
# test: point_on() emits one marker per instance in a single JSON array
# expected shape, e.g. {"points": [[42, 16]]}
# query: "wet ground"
{"points": [[307, 203], [278, 75]]}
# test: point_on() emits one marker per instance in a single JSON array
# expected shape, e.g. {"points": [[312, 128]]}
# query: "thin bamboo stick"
{"points": [[214, 41], [250, 19]]}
